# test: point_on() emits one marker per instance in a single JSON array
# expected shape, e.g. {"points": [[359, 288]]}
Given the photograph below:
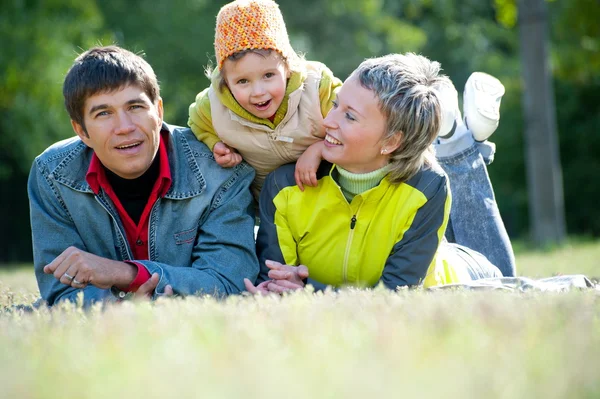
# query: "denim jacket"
{"points": [[200, 234]]}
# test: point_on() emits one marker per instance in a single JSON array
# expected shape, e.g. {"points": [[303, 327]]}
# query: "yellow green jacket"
{"points": [[265, 145], [389, 234]]}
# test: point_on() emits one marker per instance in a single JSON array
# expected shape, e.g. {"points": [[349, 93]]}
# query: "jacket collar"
{"points": [[374, 194]]}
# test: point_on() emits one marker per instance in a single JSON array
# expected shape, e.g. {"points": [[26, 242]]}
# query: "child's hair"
{"points": [[102, 70], [405, 85], [255, 26]]}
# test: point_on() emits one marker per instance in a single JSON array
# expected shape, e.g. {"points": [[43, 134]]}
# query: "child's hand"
{"points": [[307, 165], [226, 156]]}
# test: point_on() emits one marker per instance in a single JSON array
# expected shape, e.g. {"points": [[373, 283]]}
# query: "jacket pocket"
{"points": [[185, 237]]}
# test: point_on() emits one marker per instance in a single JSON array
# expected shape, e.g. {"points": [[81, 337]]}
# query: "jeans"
{"points": [[475, 220]]}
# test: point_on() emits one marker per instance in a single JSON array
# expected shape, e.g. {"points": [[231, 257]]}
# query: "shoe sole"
{"points": [[482, 114], [485, 88]]}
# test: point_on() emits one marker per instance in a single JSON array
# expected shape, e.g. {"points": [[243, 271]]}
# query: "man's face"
{"points": [[123, 129]]}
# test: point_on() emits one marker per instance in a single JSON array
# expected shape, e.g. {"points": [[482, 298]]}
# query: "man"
{"points": [[133, 205]]}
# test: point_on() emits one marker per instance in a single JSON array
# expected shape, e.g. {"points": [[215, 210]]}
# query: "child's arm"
{"points": [[307, 165], [200, 120]]}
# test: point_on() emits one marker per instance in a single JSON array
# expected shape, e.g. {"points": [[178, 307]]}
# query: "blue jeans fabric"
{"points": [[475, 220]]}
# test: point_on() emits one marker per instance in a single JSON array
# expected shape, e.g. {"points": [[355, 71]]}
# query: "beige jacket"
{"points": [[264, 145]]}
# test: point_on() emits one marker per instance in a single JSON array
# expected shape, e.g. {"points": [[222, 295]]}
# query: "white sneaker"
{"points": [[449, 109], [481, 104]]}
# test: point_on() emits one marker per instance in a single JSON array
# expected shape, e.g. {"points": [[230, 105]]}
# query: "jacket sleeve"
{"points": [[328, 88], [224, 249], [53, 231], [413, 258], [200, 120]]}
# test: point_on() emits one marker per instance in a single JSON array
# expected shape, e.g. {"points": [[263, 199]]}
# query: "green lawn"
{"points": [[577, 257], [351, 344]]}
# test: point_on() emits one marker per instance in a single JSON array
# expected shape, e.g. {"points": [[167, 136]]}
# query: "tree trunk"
{"points": [[544, 173]]}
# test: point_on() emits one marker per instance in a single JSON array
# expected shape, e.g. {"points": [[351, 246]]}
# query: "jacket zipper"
{"points": [[349, 244], [353, 220]]}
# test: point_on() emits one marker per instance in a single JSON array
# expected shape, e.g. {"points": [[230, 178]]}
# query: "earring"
{"points": [[384, 151]]}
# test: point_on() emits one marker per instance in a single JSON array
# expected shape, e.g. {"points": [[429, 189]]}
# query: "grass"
{"points": [[576, 257], [355, 344]]}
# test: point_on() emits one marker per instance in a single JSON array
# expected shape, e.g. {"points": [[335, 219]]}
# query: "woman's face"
{"points": [[355, 128]]}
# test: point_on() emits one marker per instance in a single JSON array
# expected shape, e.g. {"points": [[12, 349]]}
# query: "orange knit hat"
{"points": [[250, 24]]}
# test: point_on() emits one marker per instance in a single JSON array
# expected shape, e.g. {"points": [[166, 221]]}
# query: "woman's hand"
{"points": [[226, 156], [259, 289], [285, 277], [307, 165]]}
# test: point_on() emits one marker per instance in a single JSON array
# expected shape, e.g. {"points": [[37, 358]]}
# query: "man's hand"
{"points": [[78, 268], [307, 165], [226, 156], [147, 289]]}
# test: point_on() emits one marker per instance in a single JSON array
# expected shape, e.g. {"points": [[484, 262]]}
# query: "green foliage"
{"points": [[578, 113], [506, 12], [177, 38], [39, 40], [576, 40]]}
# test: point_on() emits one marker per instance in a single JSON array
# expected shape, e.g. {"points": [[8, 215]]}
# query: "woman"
{"points": [[379, 213]]}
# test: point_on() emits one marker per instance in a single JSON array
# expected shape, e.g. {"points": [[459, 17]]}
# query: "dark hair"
{"points": [[102, 70]]}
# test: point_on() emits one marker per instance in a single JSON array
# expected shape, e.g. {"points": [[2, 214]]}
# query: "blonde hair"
{"points": [[405, 86]]}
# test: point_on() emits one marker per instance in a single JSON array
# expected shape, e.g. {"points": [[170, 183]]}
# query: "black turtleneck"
{"points": [[134, 193]]}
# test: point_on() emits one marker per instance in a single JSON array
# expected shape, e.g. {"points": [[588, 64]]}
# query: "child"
{"points": [[265, 104]]}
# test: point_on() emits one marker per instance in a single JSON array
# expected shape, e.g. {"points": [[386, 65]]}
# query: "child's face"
{"points": [[257, 82]]}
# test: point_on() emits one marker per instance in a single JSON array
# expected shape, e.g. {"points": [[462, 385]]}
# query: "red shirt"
{"points": [[137, 235]]}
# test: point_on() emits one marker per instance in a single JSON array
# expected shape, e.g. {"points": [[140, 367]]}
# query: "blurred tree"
{"points": [[574, 51], [177, 38], [546, 203], [38, 41], [342, 33]]}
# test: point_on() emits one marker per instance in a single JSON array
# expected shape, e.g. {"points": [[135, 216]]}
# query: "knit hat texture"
{"points": [[250, 24]]}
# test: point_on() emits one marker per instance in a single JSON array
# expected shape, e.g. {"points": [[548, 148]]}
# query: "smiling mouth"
{"points": [[263, 104], [331, 140], [124, 147]]}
